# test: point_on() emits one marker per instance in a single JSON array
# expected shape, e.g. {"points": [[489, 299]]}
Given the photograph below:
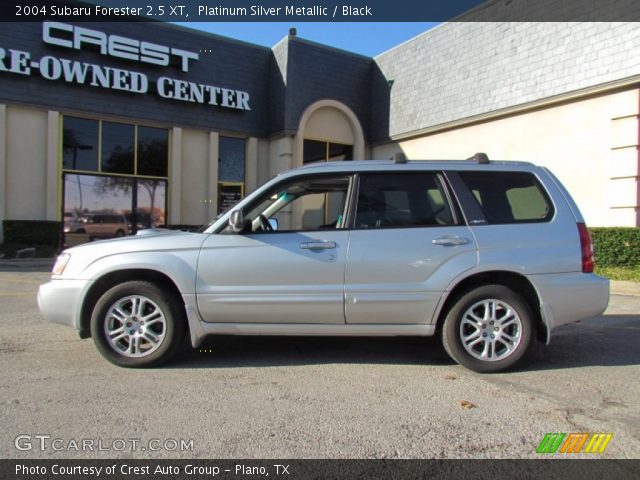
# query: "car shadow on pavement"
{"points": [[609, 340], [268, 351]]}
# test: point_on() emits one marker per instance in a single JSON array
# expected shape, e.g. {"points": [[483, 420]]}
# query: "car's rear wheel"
{"points": [[488, 329], [137, 324]]}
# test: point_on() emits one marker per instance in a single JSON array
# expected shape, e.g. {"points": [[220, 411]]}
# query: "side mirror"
{"points": [[274, 224], [236, 221]]}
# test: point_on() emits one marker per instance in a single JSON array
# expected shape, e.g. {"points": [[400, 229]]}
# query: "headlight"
{"points": [[61, 263]]}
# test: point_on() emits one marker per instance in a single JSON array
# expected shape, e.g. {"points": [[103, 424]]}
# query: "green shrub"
{"points": [[631, 274], [616, 246], [15, 250], [43, 235]]}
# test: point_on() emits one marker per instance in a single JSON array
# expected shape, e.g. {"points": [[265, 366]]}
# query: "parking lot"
{"points": [[265, 397]]}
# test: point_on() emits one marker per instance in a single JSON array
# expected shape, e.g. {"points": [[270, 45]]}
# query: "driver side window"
{"points": [[306, 204]]}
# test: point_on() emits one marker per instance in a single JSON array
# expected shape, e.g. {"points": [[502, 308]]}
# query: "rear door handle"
{"points": [[450, 241], [318, 245]]}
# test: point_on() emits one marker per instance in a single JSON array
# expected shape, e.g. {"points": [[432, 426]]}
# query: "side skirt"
{"points": [[199, 329]]}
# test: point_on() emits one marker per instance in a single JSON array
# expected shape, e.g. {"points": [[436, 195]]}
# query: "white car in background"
{"points": [[99, 225]]}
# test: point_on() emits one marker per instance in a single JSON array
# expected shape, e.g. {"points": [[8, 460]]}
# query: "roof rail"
{"points": [[480, 158], [399, 158]]}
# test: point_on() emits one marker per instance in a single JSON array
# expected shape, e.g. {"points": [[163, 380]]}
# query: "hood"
{"points": [[146, 240], [175, 243]]}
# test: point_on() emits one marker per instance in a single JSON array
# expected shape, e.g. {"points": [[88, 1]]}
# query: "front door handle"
{"points": [[450, 241], [318, 245]]}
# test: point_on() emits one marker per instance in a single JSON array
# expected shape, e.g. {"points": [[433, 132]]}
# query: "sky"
{"points": [[365, 38]]}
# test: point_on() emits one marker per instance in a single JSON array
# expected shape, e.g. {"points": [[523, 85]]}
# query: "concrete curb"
{"points": [[620, 287]]}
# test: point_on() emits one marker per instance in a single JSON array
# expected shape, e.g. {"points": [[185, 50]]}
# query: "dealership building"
{"points": [[148, 123]]}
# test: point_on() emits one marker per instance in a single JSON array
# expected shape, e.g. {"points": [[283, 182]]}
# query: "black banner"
{"points": [[122, 469], [320, 10]]}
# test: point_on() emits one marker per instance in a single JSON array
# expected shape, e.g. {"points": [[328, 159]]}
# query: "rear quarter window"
{"points": [[509, 197]]}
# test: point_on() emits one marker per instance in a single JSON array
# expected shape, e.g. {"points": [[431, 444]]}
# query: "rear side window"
{"points": [[509, 197], [402, 200]]}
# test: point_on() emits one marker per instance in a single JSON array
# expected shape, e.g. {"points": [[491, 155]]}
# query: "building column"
{"points": [[281, 155], [624, 164], [280, 159], [3, 167], [175, 175], [212, 180], [263, 161], [53, 206], [251, 167]]}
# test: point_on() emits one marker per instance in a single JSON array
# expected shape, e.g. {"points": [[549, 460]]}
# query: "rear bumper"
{"points": [[569, 297], [60, 301]]}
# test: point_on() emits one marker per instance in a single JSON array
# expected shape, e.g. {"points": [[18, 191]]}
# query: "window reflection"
{"points": [[151, 201], [80, 144], [319, 151], [153, 148], [105, 206], [314, 151], [95, 207], [117, 147], [99, 206]]}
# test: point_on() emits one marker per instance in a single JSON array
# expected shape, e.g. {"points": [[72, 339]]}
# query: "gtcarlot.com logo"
{"points": [[574, 443], [42, 442]]}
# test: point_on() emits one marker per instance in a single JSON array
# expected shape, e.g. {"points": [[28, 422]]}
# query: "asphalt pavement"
{"points": [[278, 397]]}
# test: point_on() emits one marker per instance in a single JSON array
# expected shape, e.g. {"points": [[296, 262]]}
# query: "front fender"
{"points": [[179, 266]]}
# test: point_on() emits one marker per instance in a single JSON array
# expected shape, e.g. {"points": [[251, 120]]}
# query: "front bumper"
{"points": [[60, 301]]}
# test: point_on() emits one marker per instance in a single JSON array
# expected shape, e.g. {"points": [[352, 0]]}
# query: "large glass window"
{"points": [[320, 151], [231, 168], [118, 147], [103, 206], [151, 200], [114, 201], [95, 207], [110, 147], [233, 154], [80, 144], [153, 151]]}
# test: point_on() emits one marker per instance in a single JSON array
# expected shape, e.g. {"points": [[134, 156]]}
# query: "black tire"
{"points": [[165, 324], [120, 233], [472, 304]]}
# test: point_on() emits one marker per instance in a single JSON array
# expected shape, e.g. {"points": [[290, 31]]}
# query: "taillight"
{"points": [[586, 247]]}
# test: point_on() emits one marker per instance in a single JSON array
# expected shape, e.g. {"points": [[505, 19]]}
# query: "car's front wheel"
{"points": [[488, 329], [137, 324]]}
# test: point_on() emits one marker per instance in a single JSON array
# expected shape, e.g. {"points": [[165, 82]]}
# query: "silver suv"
{"points": [[488, 255]]}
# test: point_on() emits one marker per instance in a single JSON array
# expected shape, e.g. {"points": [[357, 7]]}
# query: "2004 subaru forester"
{"points": [[489, 255]]}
